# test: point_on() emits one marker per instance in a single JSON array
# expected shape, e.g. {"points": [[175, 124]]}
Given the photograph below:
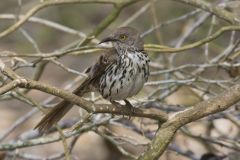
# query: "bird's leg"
{"points": [[120, 106], [127, 109], [130, 108], [129, 105]]}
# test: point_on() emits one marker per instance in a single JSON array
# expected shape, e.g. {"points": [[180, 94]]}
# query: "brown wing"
{"points": [[96, 71], [90, 84]]}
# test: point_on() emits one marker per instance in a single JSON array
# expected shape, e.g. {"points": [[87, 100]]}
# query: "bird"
{"points": [[119, 73]]}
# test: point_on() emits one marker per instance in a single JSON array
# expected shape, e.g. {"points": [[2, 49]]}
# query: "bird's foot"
{"points": [[123, 112], [130, 108], [126, 109]]}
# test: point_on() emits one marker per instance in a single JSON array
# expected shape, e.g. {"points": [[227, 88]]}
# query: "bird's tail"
{"points": [[53, 116]]}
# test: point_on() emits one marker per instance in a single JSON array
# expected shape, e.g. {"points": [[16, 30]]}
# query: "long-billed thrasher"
{"points": [[118, 74]]}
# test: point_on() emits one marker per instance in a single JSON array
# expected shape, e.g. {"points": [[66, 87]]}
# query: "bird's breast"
{"points": [[126, 77]]}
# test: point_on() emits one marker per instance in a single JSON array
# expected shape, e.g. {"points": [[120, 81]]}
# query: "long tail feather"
{"points": [[53, 116]]}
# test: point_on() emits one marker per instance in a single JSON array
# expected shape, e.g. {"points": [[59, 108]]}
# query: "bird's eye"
{"points": [[123, 37]]}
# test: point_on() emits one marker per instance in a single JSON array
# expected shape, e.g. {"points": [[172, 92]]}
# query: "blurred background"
{"points": [[178, 80]]}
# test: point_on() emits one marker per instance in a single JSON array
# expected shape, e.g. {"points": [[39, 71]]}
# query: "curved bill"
{"points": [[108, 39]]}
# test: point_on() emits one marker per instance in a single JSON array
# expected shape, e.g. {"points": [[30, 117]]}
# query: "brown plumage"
{"points": [[90, 84], [118, 74]]}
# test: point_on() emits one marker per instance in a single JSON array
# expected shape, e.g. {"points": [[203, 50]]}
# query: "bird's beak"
{"points": [[108, 39]]}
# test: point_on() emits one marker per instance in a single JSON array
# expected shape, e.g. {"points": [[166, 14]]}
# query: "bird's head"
{"points": [[125, 38]]}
